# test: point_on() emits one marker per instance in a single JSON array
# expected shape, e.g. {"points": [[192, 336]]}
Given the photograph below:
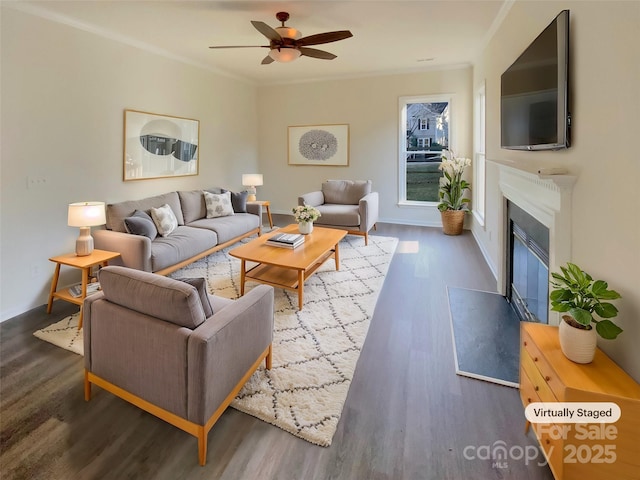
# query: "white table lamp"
{"points": [[85, 215], [251, 180]]}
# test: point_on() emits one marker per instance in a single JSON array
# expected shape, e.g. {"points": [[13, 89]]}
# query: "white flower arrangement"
{"points": [[452, 185], [305, 213]]}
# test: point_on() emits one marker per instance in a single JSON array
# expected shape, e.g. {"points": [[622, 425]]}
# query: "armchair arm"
{"points": [[224, 347], [312, 198], [368, 206], [135, 250]]}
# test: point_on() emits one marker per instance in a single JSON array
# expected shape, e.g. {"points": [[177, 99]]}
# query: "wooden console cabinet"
{"points": [[593, 451]]}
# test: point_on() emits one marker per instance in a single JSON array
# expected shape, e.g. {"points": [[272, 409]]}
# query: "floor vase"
{"points": [[452, 221]]}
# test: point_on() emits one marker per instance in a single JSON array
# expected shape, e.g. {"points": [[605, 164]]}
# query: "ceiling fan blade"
{"points": [[315, 53], [327, 37], [267, 60], [240, 46], [267, 31]]}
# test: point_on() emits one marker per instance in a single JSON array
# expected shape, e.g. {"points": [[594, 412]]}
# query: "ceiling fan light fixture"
{"points": [[284, 55], [288, 32]]}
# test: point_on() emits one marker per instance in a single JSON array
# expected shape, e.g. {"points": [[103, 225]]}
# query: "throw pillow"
{"points": [[238, 201], [140, 223], [201, 287], [218, 205], [165, 219]]}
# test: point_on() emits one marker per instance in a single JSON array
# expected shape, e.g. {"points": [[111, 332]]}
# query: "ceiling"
{"points": [[388, 36]]}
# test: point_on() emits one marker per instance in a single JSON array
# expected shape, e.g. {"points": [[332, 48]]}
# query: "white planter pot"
{"points": [[577, 345], [305, 227]]}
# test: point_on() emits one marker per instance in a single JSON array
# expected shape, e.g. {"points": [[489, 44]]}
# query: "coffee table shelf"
{"points": [[288, 268]]}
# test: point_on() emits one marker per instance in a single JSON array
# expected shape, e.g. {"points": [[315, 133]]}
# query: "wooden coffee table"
{"points": [[284, 267]]}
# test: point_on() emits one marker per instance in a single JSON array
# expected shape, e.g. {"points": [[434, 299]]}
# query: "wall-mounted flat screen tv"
{"points": [[534, 96]]}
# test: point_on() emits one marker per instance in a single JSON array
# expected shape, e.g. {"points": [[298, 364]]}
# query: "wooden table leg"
{"points": [[85, 282], [300, 289], [336, 254], [54, 286], [269, 215], [243, 264]]}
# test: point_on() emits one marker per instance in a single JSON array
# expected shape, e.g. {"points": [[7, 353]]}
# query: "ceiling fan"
{"points": [[286, 43]]}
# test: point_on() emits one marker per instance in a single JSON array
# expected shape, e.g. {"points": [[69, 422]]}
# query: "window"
{"points": [[479, 155], [421, 146]]}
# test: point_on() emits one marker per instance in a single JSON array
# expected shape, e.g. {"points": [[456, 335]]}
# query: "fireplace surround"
{"points": [[547, 198]]}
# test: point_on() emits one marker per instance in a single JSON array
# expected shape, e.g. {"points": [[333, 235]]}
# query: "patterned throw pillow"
{"points": [[165, 220], [218, 205]]}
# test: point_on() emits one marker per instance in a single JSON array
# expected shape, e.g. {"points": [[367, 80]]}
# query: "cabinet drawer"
{"points": [[528, 392], [546, 372], [553, 448], [535, 376]]}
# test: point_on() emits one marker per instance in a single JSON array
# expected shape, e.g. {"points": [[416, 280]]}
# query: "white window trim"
{"points": [[402, 140], [478, 188]]}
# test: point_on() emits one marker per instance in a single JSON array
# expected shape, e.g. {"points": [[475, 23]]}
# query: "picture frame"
{"points": [[325, 145], [159, 146]]}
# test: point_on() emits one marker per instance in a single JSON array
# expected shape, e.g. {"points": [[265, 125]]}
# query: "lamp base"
{"points": [[251, 197], [84, 242]]}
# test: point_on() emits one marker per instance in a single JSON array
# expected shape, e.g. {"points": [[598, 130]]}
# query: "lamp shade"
{"points": [[252, 179], [86, 214], [284, 55]]}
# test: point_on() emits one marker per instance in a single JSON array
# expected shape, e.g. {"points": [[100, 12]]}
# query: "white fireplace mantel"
{"points": [[547, 198]]}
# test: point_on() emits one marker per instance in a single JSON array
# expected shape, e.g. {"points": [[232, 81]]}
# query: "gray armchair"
{"points": [[170, 348], [346, 204]]}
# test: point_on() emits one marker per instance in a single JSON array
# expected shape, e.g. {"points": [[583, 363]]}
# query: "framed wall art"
{"points": [[319, 145], [159, 146]]}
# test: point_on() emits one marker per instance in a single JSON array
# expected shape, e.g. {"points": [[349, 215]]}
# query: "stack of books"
{"points": [[286, 240], [76, 290]]}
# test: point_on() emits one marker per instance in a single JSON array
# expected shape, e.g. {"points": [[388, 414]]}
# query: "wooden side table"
{"points": [[267, 205], [84, 263]]}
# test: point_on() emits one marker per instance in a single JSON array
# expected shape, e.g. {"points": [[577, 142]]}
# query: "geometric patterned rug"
{"points": [[315, 350]]}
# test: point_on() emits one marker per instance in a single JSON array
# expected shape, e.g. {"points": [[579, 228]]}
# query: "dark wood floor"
{"points": [[407, 416]]}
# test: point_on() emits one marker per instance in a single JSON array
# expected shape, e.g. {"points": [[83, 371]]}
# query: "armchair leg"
{"points": [[202, 445], [87, 386], [268, 358]]}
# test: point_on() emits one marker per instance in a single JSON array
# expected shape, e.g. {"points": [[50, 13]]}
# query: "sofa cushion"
{"points": [[185, 242], [201, 286], [345, 192], [154, 295], [192, 203], [165, 219], [339, 215], [140, 223], [218, 205], [117, 212], [229, 227]]}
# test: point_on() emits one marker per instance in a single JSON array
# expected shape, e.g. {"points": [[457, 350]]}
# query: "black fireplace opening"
{"points": [[527, 265]]}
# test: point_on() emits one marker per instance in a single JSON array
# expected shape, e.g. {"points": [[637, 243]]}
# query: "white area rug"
{"points": [[64, 334], [315, 350]]}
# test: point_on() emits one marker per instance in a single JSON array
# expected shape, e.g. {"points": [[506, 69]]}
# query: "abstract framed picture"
{"points": [[159, 146], [319, 145]]}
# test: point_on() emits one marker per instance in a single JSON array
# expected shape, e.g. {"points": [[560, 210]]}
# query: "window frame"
{"points": [[403, 101], [478, 188]]}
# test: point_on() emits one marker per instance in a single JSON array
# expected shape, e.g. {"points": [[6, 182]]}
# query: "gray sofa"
{"points": [[195, 236], [170, 348], [346, 204]]}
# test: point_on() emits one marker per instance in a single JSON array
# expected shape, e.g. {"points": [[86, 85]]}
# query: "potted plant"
{"points": [[305, 215], [453, 204], [578, 295]]}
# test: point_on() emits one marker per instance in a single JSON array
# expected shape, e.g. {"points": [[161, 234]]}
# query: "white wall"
{"points": [[370, 107], [605, 69], [64, 91]]}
